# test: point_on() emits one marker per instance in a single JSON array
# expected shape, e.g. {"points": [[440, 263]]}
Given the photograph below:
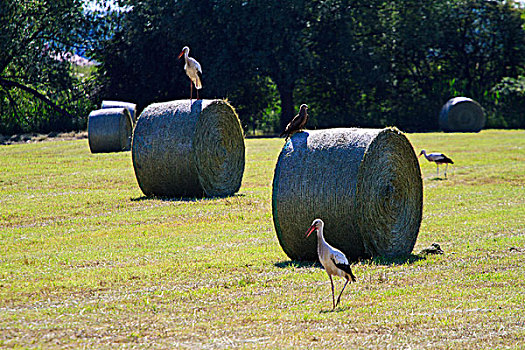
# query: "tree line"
{"points": [[355, 63]]}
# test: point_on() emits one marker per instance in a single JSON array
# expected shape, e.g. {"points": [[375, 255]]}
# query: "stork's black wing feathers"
{"points": [[346, 268], [446, 159]]}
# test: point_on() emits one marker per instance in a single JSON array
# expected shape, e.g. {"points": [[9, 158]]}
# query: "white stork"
{"points": [[333, 260], [193, 71], [438, 158]]}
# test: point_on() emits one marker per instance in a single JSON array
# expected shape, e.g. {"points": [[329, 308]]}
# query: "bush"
{"points": [[508, 108]]}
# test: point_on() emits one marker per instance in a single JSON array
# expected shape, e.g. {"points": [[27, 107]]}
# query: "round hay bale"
{"points": [[461, 114], [131, 107], [184, 149], [109, 130], [365, 184]]}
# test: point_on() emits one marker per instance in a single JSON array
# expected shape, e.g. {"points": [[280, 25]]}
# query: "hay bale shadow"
{"points": [[166, 199], [298, 264], [183, 199], [393, 261], [380, 260]]}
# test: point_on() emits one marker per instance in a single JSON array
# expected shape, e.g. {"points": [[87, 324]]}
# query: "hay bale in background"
{"points": [[461, 114], [182, 151], [131, 107], [364, 183], [109, 130]]}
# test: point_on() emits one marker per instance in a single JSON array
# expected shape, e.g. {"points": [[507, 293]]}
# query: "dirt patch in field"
{"points": [[36, 137]]}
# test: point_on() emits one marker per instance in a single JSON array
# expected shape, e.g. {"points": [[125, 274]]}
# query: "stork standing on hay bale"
{"points": [[333, 260], [297, 123], [438, 158], [193, 71]]}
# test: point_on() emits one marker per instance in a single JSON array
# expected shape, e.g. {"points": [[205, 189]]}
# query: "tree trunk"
{"points": [[287, 105]]}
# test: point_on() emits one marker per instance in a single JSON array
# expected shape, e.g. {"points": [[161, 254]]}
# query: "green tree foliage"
{"points": [[509, 103], [38, 88], [271, 38], [240, 45], [138, 63], [356, 63], [449, 48], [350, 66]]}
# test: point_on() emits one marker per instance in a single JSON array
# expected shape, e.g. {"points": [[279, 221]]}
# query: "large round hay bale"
{"points": [[364, 183], [461, 114], [183, 151], [131, 107], [109, 130]]}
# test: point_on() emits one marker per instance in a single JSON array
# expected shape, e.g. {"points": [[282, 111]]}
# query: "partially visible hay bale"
{"points": [[364, 183], [131, 107], [109, 130], [180, 151], [461, 114]]}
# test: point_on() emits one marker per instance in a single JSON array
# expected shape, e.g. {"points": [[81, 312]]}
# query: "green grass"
{"points": [[87, 261]]}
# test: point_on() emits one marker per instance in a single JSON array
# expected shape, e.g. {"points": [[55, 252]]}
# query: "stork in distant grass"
{"points": [[438, 158], [193, 71], [297, 123], [333, 260]]}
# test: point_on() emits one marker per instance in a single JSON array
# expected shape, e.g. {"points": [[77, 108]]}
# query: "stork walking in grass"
{"points": [[297, 123], [193, 71], [438, 158], [333, 260]]}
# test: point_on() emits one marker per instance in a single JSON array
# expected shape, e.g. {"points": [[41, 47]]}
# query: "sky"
{"points": [[91, 5]]}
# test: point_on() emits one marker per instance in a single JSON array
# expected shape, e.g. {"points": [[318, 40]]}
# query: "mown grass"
{"points": [[87, 261]]}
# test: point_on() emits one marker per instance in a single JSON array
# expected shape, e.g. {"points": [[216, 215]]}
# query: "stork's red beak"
{"points": [[310, 230], [180, 54]]}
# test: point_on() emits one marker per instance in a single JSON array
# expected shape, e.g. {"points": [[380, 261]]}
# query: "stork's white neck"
{"points": [[320, 236]]}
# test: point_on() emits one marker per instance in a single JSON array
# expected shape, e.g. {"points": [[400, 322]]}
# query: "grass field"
{"points": [[88, 262]]}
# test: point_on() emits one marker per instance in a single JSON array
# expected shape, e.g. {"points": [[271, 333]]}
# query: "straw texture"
{"points": [[183, 151], [131, 107], [364, 183], [109, 130], [461, 114]]}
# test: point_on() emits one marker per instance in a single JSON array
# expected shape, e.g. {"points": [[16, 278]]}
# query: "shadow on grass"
{"points": [[399, 260], [438, 179], [337, 309], [380, 260], [300, 264], [183, 199], [265, 136]]}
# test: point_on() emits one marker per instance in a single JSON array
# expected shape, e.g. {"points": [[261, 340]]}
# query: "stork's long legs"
{"points": [[191, 91], [333, 294], [446, 167], [437, 165], [339, 298]]}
